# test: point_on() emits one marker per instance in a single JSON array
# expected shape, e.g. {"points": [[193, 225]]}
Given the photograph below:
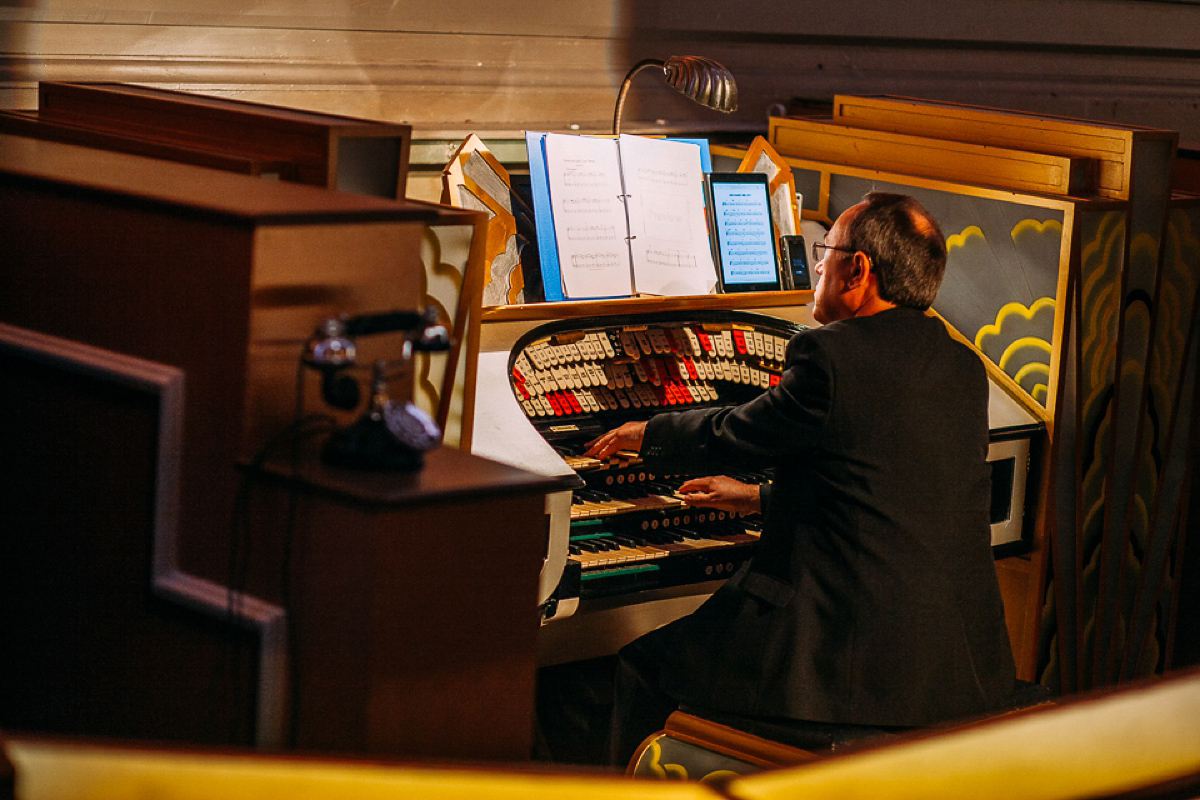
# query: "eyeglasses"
{"points": [[819, 248]]}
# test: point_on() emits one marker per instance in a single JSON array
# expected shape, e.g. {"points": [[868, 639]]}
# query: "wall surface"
{"points": [[495, 68]]}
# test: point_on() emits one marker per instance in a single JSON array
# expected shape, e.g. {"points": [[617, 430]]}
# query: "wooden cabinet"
{"points": [[328, 150], [408, 612], [414, 599]]}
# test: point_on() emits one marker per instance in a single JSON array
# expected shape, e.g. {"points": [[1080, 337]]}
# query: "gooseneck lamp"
{"points": [[701, 79]]}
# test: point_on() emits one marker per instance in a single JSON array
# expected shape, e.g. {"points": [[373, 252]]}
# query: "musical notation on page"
{"points": [[628, 216]]}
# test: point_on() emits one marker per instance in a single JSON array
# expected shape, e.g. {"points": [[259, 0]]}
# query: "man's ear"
{"points": [[859, 270]]}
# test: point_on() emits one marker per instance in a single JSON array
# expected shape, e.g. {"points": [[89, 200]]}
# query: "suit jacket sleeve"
{"points": [[786, 419]]}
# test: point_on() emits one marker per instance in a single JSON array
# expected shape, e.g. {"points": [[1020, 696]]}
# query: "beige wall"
{"points": [[452, 67]]}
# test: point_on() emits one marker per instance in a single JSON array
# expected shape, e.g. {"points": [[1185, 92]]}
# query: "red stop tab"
{"points": [[739, 341]]}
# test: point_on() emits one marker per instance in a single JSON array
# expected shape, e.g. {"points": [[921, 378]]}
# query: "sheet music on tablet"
{"points": [[628, 216]]}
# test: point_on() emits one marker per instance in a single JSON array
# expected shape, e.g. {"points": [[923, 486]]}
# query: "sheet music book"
{"points": [[626, 216]]}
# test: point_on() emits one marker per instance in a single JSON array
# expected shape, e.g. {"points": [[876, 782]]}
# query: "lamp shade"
{"points": [[701, 79]]}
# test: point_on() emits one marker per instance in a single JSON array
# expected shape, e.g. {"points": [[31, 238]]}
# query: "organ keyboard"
{"points": [[625, 553], [629, 530]]}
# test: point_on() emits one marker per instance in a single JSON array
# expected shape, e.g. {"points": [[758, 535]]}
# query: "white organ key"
{"points": [[597, 374], [748, 340], [534, 354], [578, 376]]}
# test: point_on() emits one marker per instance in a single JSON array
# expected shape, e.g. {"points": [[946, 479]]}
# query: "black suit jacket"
{"points": [[872, 597]]}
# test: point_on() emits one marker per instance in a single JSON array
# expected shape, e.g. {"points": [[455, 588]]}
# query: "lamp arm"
{"points": [[638, 67]]}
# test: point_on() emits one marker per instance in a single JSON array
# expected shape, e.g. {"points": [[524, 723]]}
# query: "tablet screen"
{"points": [[743, 240]]}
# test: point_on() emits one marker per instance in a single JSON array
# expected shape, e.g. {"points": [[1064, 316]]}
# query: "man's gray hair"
{"points": [[906, 246]]}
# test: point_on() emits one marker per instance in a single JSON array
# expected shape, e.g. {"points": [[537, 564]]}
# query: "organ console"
{"points": [[626, 553], [629, 529]]}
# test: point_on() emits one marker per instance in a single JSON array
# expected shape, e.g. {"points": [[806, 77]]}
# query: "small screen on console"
{"points": [[743, 240]]}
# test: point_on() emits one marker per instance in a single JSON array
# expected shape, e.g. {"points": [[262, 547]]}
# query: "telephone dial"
{"points": [[389, 435]]}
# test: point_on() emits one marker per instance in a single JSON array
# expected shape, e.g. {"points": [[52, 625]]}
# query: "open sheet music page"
{"points": [[590, 225], [664, 187]]}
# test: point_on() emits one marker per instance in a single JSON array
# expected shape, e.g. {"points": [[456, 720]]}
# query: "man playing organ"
{"points": [[872, 597]]}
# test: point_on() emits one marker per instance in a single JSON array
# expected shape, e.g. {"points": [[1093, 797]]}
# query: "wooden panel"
{"points": [[28, 123], [52, 769], [320, 149], [1113, 146], [304, 274], [203, 193], [641, 305], [1019, 169], [87, 648], [1143, 742], [1019, 586], [458, 67], [414, 601], [169, 263]]}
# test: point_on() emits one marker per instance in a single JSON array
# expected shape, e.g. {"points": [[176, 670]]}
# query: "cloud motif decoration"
{"points": [[963, 239], [1013, 344], [1014, 305]]}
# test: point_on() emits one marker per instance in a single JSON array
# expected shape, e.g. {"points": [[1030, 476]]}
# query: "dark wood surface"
{"points": [[413, 619], [448, 475], [166, 184], [87, 649], [312, 144], [29, 123], [413, 597]]}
